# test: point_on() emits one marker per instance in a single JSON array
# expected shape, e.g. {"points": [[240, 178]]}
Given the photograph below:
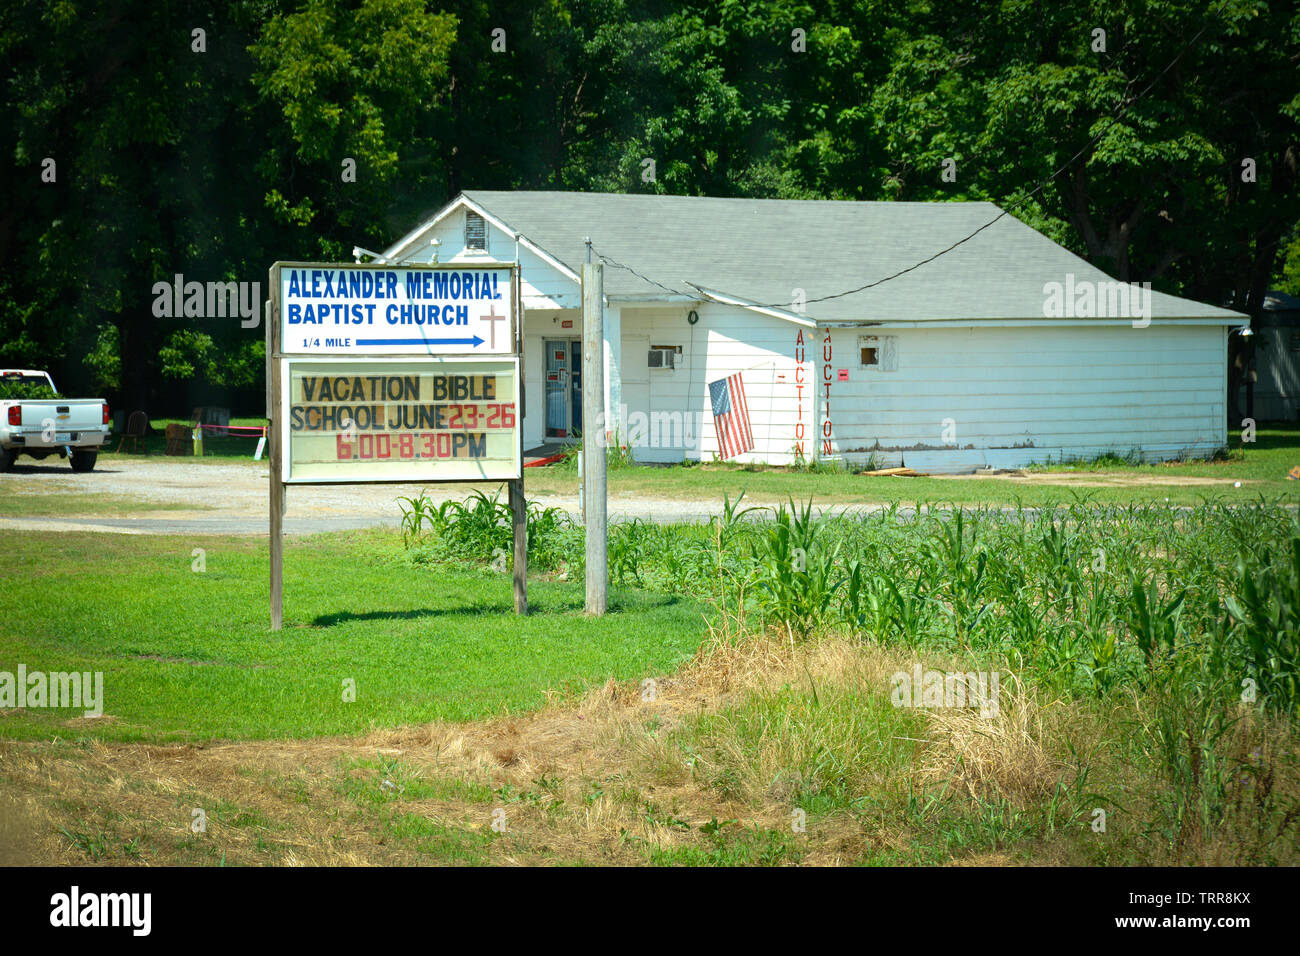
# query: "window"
{"points": [[665, 356], [879, 352], [475, 231]]}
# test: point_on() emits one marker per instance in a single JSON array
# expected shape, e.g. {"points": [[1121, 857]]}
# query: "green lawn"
{"points": [[225, 450], [73, 504], [1261, 467], [190, 656], [1113, 696]]}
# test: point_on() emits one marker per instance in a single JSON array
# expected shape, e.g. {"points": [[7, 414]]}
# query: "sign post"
{"points": [[381, 373], [277, 454]]}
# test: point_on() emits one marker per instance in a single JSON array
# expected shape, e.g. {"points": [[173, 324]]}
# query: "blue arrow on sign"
{"points": [[476, 341]]}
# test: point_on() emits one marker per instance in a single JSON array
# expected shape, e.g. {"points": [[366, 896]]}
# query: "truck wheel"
{"points": [[83, 460], [7, 456]]}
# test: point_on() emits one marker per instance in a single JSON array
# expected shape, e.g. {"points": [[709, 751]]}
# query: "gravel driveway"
{"points": [[234, 499]]}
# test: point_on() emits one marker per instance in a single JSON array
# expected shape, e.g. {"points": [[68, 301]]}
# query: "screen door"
{"points": [[557, 388]]}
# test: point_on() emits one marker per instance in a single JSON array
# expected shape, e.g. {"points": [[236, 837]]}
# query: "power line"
{"points": [[618, 265]]}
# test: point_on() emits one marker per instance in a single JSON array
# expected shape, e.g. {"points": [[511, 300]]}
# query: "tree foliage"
{"points": [[301, 128]]}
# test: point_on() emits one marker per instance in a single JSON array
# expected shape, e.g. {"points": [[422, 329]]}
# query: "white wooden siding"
{"points": [[1028, 394], [549, 297], [544, 286], [673, 406]]}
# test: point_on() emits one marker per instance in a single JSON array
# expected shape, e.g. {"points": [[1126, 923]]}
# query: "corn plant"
{"points": [[1154, 622], [1266, 611], [552, 539], [481, 528], [885, 606], [796, 574], [417, 513], [1188, 739], [730, 572], [866, 607], [959, 567], [627, 550], [1059, 569]]}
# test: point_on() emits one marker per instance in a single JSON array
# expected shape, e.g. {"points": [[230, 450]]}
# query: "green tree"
{"points": [[359, 88], [1014, 92], [148, 127]]}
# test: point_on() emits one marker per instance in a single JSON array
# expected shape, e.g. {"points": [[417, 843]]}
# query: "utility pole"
{"points": [[515, 488], [593, 422]]}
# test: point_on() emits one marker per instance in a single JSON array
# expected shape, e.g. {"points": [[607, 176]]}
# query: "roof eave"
{"points": [[1038, 321], [395, 250], [755, 307]]}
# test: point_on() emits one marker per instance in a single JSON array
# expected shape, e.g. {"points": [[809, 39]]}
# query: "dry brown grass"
{"points": [[286, 801], [1002, 755], [600, 780], [291, 790]]}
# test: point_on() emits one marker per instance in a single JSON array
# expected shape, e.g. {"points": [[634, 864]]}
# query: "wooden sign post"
{"points": [[276, 455]]}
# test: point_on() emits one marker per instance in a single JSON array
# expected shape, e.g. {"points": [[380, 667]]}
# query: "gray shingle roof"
{"points": [[760, 250]]}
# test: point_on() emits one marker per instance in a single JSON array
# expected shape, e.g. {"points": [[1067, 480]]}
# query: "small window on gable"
{"points": [[475, 231]]}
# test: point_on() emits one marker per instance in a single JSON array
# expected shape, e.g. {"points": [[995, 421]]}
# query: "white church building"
{"points": [[1005, 350]]}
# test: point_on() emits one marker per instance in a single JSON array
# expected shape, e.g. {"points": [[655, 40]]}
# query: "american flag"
{"points": [[731, 416]]}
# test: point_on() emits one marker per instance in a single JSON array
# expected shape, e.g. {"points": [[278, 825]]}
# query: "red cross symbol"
{"points": [[493, 319]]}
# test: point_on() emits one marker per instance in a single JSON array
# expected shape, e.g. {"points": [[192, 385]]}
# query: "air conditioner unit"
{"points": [[662, 358]]}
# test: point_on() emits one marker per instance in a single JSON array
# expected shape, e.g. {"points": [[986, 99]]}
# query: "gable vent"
{"points": [[475, 231]]}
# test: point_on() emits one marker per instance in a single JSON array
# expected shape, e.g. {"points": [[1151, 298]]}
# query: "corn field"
{"points": [[1183, 621], [1089, 598]]}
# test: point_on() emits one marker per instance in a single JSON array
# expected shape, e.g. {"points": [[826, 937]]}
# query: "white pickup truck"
{"points": [[71, 428]]}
